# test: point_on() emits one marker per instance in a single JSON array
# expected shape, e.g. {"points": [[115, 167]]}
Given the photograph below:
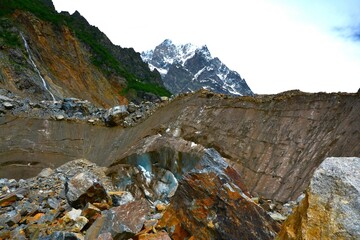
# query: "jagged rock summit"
{"points": [[187, 68]]}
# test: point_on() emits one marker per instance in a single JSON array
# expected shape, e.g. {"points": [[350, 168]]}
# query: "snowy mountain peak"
{"points": [[188, 67], [167, 42]]}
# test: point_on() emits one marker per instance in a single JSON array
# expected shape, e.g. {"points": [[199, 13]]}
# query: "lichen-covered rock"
{"points": [[85, 188], [121, 222], [331, 207]]}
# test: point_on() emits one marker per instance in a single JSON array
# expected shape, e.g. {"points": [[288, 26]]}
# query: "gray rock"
{"points": [[13, 218], [27, 208], [121, 198], [54, 203], [105, 236], [115, 116], [336, 183], [331, 206], [18, 233], [60, 235], [121, 222], [132, 107], [277, 216], [59, 117], [8, 105], [166, 185], [84, 188], [46, 172], [5, 98], [164, 99], [75, 107]]}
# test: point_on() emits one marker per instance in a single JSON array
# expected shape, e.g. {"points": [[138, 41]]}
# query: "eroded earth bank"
{"points": [[201, 166]]}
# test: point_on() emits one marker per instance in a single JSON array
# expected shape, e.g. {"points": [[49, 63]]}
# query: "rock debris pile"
{"points": [[78, 110], [74, 201], [148, 195]]}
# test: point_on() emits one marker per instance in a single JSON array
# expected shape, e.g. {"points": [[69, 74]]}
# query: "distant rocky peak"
{"points": [[205, 51], [188, 67]]}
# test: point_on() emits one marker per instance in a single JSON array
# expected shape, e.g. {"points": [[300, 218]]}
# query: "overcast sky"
{"points": [[276, 45]]}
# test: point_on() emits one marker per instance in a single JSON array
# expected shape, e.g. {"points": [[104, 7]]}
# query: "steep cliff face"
{"points": [[274, 142], [62, 60], [44, 53]]}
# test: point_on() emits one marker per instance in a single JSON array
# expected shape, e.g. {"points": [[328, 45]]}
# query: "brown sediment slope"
{"points": [[63, 61], [275, 142]]}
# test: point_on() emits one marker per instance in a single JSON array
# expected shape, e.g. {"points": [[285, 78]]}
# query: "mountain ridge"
{"points": [[188, 68]]}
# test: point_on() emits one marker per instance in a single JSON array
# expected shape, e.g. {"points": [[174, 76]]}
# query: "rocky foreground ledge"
{"points": [[182, 191], [172, 189]]}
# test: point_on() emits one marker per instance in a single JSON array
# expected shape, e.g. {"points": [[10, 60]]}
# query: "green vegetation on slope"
{"points": [[102, 58], [8, 37]]}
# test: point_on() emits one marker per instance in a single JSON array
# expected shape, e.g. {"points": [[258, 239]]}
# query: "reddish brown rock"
{"points": [[161, 235], [207, 208], [91, 213], [7, 200], [10, 198]]}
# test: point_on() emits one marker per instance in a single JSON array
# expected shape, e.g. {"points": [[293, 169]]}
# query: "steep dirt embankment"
{"points": [[62, 60], [275, 142]]}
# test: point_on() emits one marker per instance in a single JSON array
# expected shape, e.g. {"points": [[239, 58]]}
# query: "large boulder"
{"points": [[331, 207], [212, 203], [85, 188], [121, 222], [154, 183], [116, 115], [77, 107]]}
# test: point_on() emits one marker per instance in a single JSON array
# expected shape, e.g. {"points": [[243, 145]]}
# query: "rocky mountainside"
{"points": [[46, 55], [187, 68]]}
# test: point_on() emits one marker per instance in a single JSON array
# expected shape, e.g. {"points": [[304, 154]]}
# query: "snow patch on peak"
{"points": [[147, 55], [198, 73]]}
